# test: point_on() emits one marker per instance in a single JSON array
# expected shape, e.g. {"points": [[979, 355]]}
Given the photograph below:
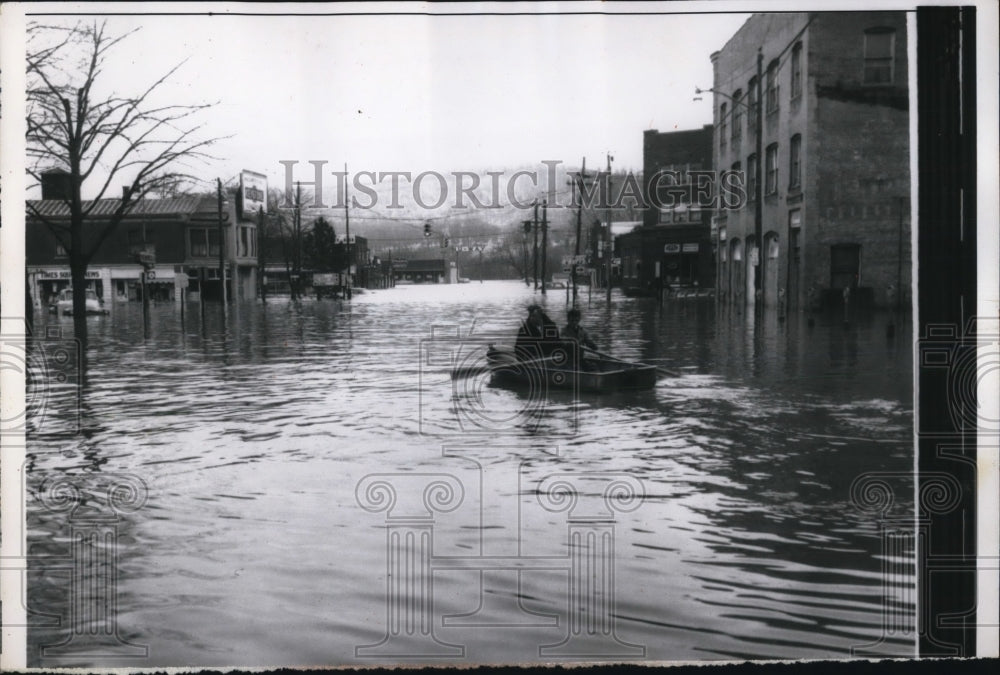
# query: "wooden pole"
{"points": [[609, 247], [145, 303], [347, 227], [261, 272], [534, 255], [545, 241], [579, 222], [222, 247]]}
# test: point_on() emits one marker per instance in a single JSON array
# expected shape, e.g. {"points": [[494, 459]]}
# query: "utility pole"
{"points": [[298, 241], [222, 247], [534, 254], [347, 227], [758, 217], [579, 216], [609, 241], [524, 249], [260, 256], [545, 240]]}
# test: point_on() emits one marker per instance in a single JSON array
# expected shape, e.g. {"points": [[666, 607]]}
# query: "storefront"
{"points": [[45, 283]]}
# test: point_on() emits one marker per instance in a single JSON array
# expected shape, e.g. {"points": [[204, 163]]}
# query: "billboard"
{"points": [[253, 194]]}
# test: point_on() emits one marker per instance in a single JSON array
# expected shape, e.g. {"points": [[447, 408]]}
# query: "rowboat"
{"points": [[596, 375]]}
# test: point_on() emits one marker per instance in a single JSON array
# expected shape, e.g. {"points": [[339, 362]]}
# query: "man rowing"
{"points": [[574, 331], [538, 336]]}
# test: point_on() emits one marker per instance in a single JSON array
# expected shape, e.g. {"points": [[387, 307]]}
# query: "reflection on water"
{"points": [[251, 436]]}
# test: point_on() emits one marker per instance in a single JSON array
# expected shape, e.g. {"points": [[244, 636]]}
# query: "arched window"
{"points": [[795, 162], [722, 125], [796, 70], [772, 86], [752, 104], [737, 115]]}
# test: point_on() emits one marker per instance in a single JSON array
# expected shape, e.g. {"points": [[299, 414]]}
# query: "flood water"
{"points": [[263, 533]]}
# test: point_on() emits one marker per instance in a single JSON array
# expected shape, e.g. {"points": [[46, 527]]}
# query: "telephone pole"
{"points": [[222, 248], [347, 227], [534, 253], [609, 245], [298, 241], [578, 197], [545, 240]]}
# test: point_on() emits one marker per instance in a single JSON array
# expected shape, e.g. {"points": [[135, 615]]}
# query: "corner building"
{"points": [[834, 179]]}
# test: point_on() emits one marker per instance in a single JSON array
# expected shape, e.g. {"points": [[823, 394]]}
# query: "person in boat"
{"points": [[579, 338], [574, 331], [538, 336]]}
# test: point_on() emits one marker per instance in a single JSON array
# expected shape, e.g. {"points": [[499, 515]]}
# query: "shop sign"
{"points": [[672, 248], [45, 275], [253, 193], [690, 248]]}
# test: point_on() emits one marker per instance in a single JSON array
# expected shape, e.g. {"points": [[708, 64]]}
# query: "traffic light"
{"points": [[427, 229], [444, 244]]}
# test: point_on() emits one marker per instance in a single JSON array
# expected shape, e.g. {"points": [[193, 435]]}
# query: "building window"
{"points": [[771, 169], [796, 70], [204, 242], [244, 241], [772, 86], [737, 115], [752, 98], [722, 125], [60, 251], [737, 170], [752, 177], [880, 46], [794, 162]]}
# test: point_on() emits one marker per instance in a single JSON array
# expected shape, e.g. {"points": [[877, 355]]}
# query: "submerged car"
{"points": [[63, 304]]}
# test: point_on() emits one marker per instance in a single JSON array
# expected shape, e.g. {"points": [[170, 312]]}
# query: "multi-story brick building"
{"points": [[828, 92], [674, 241], [182, 234]]}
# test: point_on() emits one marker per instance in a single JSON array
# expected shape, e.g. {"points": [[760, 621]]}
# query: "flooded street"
{"points": [[263, 445]]}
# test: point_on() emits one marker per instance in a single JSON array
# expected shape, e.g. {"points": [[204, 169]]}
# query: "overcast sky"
{"points": [[415, 93]]}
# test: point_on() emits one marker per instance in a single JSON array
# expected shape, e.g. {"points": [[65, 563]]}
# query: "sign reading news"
{"points": [[253, 191]]}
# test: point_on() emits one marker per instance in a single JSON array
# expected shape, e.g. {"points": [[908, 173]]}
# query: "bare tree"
{"points": [[100, 139]]}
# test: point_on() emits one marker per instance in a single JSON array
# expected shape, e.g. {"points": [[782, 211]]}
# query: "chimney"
{"points": [[124, 192], [57, 184]]}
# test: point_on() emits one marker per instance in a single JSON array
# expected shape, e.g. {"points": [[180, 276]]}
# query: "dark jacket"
{"points": [[580, 335], [537, 342]]}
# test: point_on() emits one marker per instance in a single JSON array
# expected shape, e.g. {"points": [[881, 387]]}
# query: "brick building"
{"points": [[674, 241], [181, 233], [834, 166]]}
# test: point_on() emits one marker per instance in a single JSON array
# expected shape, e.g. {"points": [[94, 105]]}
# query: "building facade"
{"points": [[828, 92], [182, 235], [674, 243], [436, 271]]}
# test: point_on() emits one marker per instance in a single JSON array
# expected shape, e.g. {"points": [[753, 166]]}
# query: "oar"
{"points": [[662, 371], [479, 370]]}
